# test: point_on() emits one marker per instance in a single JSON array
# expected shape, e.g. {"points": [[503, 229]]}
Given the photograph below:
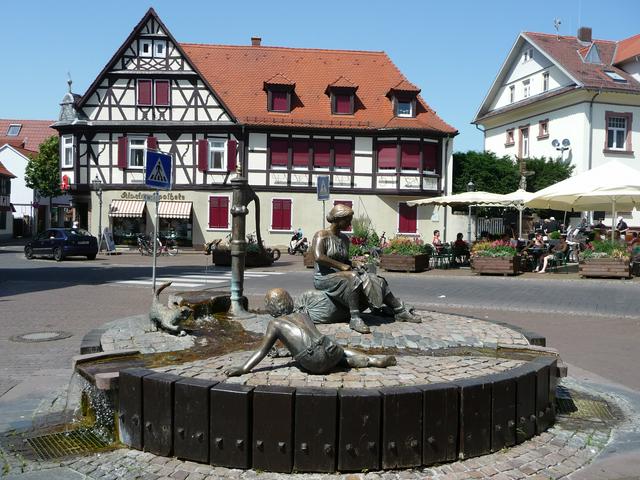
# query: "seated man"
{"points": [[561, 247], [313, 351], [460, 250]]}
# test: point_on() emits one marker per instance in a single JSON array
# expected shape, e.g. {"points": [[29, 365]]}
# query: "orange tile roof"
{"points": [[627, 48], [4, 172], [238, 73], [31, 135], [342, 82]]}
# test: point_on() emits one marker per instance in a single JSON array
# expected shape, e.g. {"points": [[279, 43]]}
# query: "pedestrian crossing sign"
{"points": [[322, 187], [158, 170]]}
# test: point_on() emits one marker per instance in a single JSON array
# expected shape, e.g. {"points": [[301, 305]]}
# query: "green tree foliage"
{"points": [[43, 170], [488, 172], [548, 171], [494, 174]]}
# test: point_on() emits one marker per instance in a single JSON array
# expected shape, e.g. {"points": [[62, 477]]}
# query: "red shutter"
{"points": [[123, 152], [343, 104], [279, 152], [162, 92], [152, 143], [408, 218], [321, 154], [144, 92], [279, 101], [300, 153], [387, 155], [410, 156], [218, 212], [203, 155], [232, 148], [281, 214], [430, 156], [342, 149]]}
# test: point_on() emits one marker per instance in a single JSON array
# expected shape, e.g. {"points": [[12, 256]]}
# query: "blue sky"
{"points": [[452, 50]]}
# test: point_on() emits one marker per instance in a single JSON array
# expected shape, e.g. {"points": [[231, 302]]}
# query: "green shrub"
{"points": [[606, 249], [498, 248], [406, 246]]}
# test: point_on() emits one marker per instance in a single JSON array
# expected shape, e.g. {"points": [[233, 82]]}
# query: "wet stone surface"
{"points": [[138, 333], [410, 370]]}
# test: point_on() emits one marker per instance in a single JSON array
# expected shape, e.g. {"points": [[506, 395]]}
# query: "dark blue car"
{"points": [[63, 242]]}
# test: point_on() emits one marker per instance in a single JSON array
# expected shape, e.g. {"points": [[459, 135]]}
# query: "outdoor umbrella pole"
{"points": [[613, 218]]}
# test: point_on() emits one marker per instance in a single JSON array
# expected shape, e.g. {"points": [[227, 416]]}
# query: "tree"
{"points": [[42, 173], [488, 172], [547, 172]]}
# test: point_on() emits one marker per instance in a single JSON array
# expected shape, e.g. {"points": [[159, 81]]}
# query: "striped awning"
{"points": [[174, 209], [126, 208]]}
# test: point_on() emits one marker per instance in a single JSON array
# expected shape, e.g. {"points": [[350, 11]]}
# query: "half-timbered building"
{"points": [[285, 115]]}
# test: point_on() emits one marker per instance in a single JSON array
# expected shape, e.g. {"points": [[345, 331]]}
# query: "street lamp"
{"points": [[470, 188], [97, 186]]}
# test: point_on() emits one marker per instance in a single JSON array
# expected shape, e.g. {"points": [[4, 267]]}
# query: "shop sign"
{"points": [[169, 196]]}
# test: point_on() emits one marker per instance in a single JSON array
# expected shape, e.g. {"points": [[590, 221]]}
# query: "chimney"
{"points": [[256, 41], [584, 34]]}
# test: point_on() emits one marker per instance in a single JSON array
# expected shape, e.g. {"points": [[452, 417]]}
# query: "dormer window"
{"points": [[404, 97], [342, 93], [279, 93], [615, 76]]}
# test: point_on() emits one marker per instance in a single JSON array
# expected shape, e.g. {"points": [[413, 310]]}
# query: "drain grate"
{"points": [[63, 444], [575, 405]]}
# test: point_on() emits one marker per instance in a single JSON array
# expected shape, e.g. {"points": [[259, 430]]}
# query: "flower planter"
{"points": [[496, 265], [605, 267], [405, 263], [252, 259]]}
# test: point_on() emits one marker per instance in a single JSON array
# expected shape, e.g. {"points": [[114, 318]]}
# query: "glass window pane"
{"points": [[404, 108], [620, 138]]}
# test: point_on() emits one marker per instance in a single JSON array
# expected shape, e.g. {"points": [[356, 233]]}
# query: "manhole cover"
{"points": [[63, 444], [40, 337]]}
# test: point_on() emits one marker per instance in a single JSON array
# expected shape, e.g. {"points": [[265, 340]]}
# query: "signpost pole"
{"points": [[324, 214], [155, 241]]}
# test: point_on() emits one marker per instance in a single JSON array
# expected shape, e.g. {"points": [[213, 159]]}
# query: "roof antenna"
{"points": [[69, 81], [556, 25]]}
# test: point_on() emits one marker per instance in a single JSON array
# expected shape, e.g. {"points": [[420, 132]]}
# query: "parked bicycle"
{"points": [[145, 247], [168, 246]]}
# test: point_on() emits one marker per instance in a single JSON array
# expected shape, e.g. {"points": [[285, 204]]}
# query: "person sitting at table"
{"points": [[561, 247], [436, 242], [536, 248], [622, 228], [460, 250]]}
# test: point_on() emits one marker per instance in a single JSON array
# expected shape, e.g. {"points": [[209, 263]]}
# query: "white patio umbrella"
{"points": [[461, 199], [609, 186]]}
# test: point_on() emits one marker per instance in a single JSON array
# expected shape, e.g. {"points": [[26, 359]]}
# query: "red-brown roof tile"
{"points": [[238, 73], [279, 79], [405, 86], [627, 48], [566, 51], [4, 172], [31, 135], [342, 82]]}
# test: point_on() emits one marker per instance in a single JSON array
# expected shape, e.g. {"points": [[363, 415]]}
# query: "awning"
{"points": [[126, 208], [174, 209]]}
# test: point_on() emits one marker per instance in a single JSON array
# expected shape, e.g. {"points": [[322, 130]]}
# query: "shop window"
{"points": [[279, 152], [281, 214], [66, 147], [407, 218], [219, 212]]}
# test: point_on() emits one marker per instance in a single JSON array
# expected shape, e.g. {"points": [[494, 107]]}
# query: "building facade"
{"points": [[284, 115], [6, 209], [566, 97]]}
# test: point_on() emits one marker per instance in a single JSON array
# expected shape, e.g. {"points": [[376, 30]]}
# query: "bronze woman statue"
{"points": [[313, 351], [347, 284]]}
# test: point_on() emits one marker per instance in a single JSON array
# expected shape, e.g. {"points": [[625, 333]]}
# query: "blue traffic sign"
{"points": [[323, 187], [158, 170]]}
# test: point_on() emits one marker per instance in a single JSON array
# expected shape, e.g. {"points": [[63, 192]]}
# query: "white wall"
{"points": [[633, 68], [21, 195]]}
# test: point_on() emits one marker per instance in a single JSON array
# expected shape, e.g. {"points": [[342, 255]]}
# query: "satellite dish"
{"points": [[555, 143], [566, 142]]}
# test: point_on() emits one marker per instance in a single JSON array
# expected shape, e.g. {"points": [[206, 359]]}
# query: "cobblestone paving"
{"points": [[137, 333], [410, 370]]}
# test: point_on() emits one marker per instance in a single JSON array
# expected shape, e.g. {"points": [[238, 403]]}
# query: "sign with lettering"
{"points": [[322, 185], [107, 236], [169, 196], [158, 170]]}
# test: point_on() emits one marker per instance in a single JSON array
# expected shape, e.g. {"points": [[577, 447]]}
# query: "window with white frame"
{"points": [[14, 130], [404, 108], [145, 48], [136, 152], [526, 88], [217, 160], [616, 133], [527, 55], [512, 93], [160, 48], [545, 81], [524, 142], [66, 153]]}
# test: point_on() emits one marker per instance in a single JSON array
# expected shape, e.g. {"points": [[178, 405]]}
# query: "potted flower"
{"points": [[605, 259], [495, 257], [406, 254]]}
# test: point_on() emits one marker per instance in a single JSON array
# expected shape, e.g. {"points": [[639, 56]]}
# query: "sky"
{"points": [[452, 50]]}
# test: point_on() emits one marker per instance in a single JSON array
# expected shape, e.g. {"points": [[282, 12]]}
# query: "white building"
{"points": [[570, 97], [286, 115]]}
